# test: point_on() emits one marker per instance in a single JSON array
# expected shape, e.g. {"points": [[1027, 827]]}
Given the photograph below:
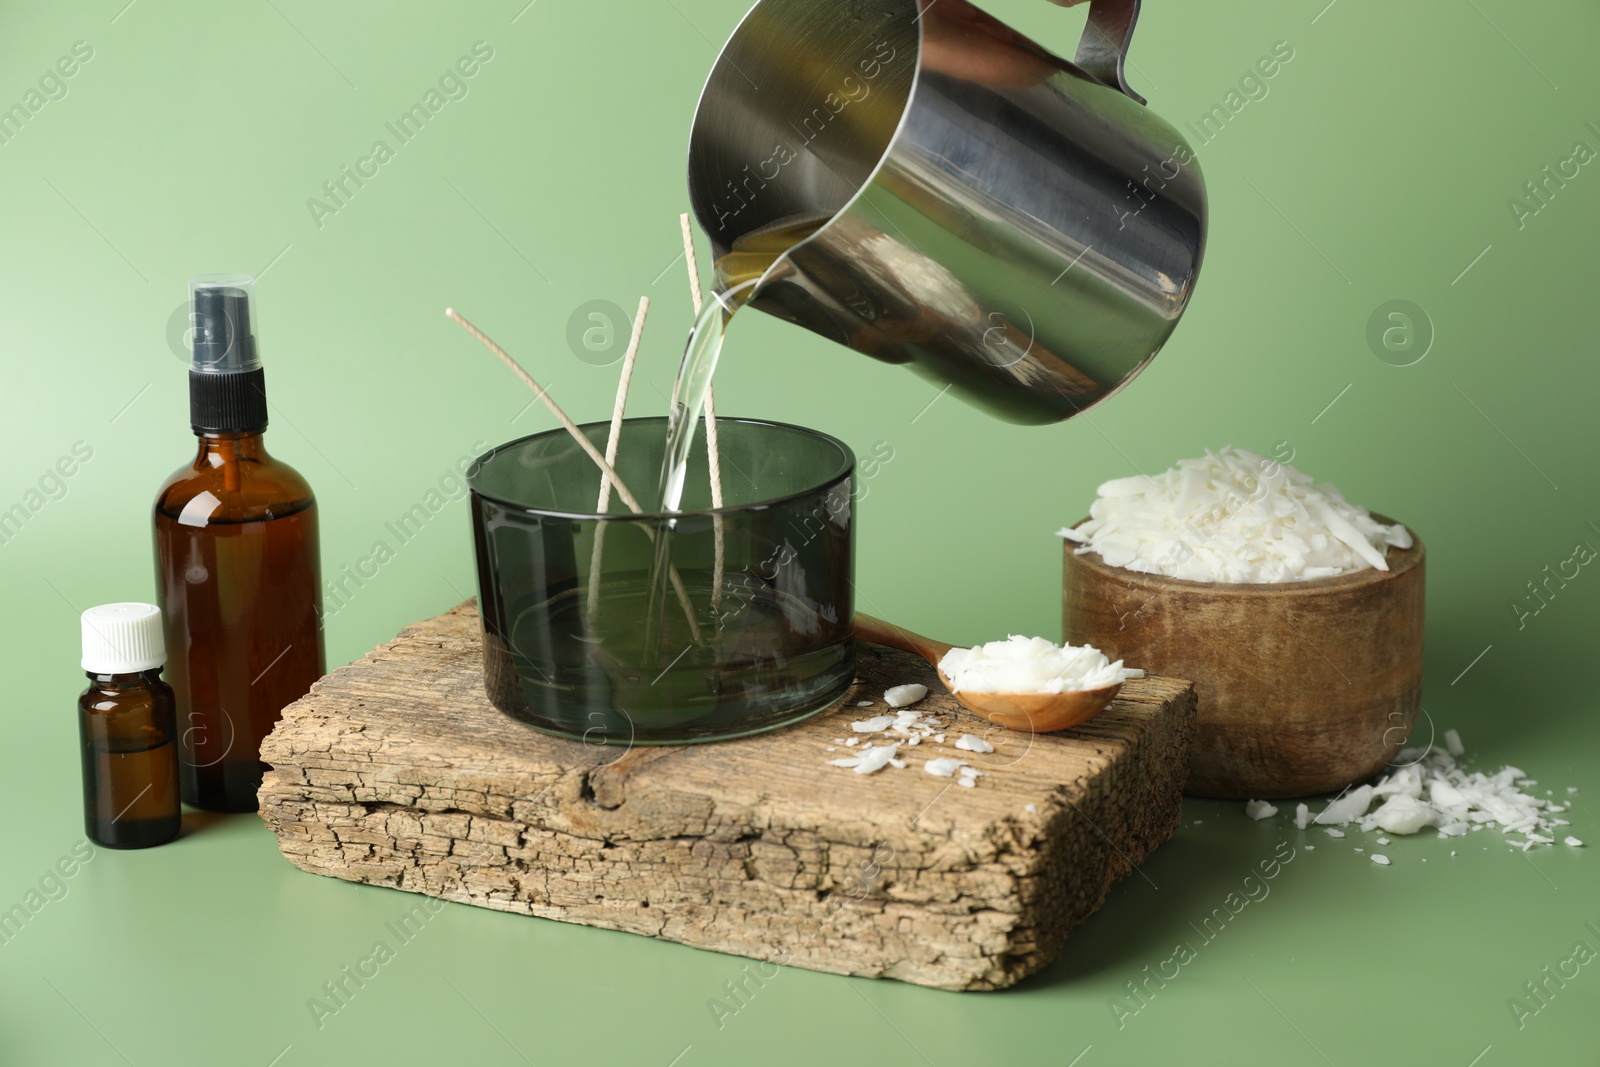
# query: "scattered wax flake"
{"points": [[1428, 787], [1347, 808], [915, 741], [1572, 841], [1309, 848], [972, 772], [1453, 745], [1033, 809], [1334, 833], [1572, 789], [902, 695], [1405, 781], [853, 742], [1452, 852], [876, 724], [1259, 809], [838, 740], [973, 743], [863, 703], [1302, 816], [939, 738], [1132, 672], [900, 763], [905, 721], [832, 748], [1402, 814], [968, 783], [944, 767], [868, 760], [1383, 840]]}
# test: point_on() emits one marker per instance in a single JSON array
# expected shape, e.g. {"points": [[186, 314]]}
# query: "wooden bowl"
{"points": [[1303, 687]]}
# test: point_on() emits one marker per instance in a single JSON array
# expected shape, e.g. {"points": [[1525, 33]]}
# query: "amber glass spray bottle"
{"points": [[237, 563]]}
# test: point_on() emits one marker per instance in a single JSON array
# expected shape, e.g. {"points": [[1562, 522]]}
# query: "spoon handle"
{"points": [[878, 632]]}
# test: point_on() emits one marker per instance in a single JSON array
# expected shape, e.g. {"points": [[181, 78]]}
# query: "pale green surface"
{"points": [[1390, 143]]}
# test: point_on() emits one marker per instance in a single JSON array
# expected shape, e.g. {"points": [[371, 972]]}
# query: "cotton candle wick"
{"points": [[693, 262], [613, 439], [713, 457], [713, 447], [571, 427], [561, 416]]}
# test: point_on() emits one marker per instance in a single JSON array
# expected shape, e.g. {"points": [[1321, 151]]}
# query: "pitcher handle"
{"points": [[1104, 46]]}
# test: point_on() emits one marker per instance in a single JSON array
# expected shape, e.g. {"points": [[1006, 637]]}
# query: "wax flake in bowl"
{"points": [[1233, 516], [1030, 665]]}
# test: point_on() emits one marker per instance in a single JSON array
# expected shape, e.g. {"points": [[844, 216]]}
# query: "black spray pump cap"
{"points": [[227, 392]]}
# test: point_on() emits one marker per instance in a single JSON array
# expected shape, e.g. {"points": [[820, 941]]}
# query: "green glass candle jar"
{"points": [[747, 625]]}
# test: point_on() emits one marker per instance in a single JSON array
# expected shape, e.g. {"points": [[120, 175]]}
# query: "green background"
{"points": [[1378, 168]]}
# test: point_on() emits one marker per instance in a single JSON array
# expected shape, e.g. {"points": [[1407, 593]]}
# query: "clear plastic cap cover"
{"points": [[222, 311]]}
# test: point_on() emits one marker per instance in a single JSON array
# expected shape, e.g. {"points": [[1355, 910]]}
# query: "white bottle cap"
{"points": [[123, 639]]}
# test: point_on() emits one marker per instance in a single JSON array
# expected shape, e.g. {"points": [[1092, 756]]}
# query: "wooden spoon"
{"points": [[1034, 712]]}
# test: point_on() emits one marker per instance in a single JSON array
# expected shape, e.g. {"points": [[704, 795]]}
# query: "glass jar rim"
{"points": [[844, 469]]}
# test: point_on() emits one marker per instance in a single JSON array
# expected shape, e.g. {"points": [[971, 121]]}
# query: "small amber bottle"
{"points": [[237, 565], [128, 727]]}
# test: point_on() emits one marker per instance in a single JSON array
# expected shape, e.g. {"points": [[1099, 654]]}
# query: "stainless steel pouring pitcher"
{"points": [[1008, 223]]}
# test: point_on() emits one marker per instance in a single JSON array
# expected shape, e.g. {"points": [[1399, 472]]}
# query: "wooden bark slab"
{"points": [[397, 771]]}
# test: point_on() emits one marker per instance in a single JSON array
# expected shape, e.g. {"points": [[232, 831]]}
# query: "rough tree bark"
{"points": [[397, 771]]}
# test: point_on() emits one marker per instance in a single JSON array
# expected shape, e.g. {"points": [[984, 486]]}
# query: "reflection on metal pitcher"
{"points": [[998, 219]]}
